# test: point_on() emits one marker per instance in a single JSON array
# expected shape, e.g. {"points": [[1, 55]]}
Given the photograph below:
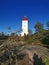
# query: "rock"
{"points": [[23, 54]]}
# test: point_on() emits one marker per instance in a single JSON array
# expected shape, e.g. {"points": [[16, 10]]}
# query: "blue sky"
{"points": [[13, 11]]}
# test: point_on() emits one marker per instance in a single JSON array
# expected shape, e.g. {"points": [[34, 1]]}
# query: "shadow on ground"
{"points": [[37, 60]]}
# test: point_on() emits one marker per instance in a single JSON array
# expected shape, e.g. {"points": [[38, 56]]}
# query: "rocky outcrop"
{"points": [[23, 55]]}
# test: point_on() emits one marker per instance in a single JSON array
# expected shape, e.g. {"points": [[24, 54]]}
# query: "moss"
{"points": [[46, 61]]}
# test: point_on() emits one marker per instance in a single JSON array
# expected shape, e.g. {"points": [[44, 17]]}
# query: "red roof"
{"points": [[25, 18]]}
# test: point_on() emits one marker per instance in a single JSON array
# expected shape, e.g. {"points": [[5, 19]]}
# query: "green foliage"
{"points": [[45, 39], [28, 38], [46, 61], [40, 62], [38, 26], [42, 36], [25, 37]]}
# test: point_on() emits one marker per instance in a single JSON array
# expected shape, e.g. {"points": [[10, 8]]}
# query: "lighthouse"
{"points": [[24, 26]]}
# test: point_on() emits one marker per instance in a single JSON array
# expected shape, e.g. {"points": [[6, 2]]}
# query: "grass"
{"points": [[46, 61]]}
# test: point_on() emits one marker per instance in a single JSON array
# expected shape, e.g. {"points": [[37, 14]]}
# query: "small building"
{"points": [[24, 26]]}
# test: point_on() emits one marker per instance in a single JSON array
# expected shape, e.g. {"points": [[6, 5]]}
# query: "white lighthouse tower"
{"points": [[24, 26]]}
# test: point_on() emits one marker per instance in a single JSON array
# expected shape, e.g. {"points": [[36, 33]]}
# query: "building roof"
{"points": [[25, 18]]}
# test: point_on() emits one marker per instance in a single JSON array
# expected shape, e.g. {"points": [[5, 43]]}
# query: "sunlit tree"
{"points": [[38, 26]]}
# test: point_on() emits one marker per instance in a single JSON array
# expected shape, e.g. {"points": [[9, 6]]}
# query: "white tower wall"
{"points": [[24, 27]]}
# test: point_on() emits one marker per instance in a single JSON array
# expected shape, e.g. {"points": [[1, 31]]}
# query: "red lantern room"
{"points": [[25, 18]]}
